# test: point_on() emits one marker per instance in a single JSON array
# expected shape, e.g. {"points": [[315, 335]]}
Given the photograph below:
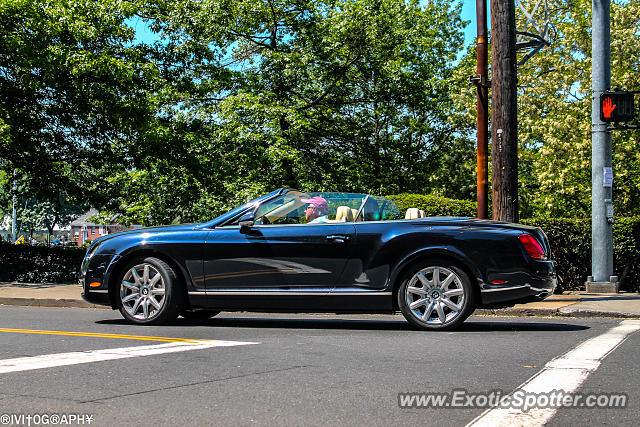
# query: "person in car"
{"points": [[317, 210]]}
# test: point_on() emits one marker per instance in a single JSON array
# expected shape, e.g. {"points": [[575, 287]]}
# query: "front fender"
{"points": [[181, 249]]}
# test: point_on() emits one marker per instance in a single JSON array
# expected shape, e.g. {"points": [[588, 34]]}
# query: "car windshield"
{"points": [[291, 208], [242, 208]]}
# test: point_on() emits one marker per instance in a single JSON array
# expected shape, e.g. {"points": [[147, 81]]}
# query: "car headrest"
{"points": [[414, 213], [344, 214], [354, 212]]}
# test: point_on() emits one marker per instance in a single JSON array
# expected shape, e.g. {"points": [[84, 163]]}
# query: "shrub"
{"points": [[626, 251], [434, 205], [39, 264], [570, 241]]}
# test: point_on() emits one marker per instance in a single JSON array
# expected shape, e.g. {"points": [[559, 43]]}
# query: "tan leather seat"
{"points": [[354, 212], [344, 214], [414, 213]]}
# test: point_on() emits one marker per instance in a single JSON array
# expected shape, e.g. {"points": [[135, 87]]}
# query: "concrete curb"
{"points": [[532, 312], [48, 302]]}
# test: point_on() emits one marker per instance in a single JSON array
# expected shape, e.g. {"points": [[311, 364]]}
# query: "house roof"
{"points": [[82, 220]]}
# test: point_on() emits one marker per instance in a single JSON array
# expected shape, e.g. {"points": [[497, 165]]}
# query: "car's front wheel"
{"points": [[436, 295], [149, 292]]}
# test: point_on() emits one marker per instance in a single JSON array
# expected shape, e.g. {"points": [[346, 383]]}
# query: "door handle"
{"points": [[338, 238]]}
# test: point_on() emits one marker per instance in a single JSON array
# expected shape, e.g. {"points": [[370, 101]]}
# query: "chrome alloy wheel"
{"points": [[142, 291], [435, 295]]}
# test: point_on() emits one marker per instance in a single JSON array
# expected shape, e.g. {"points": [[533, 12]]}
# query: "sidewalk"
{"points": [[43, 295], [574, 304]]}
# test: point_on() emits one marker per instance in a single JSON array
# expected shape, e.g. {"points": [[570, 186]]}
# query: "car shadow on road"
{"points": [[506, 325], [362, 324]]}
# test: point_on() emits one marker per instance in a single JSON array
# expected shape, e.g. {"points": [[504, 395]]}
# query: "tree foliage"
{"points": [[348, 95], [35, 212], [233, 98], [237, 97], [555, 114], [74, 91]]}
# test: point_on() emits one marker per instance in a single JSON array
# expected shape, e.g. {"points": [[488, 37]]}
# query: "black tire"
{"points": [[158, 289], [199, 315], [448, 302]]}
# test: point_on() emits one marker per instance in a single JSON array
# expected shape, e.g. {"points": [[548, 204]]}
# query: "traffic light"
{"points": [[617, 107]]}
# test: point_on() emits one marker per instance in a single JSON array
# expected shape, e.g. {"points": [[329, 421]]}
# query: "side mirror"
{"points": [[246, 222]]}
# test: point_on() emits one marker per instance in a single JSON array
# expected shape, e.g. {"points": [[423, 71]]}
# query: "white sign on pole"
{"points": [[607, 177]]}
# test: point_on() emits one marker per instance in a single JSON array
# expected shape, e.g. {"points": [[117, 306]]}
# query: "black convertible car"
{"points": [[320, 252]]}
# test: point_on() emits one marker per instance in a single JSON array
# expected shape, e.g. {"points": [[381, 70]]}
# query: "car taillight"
{"points": [[532, 246]]}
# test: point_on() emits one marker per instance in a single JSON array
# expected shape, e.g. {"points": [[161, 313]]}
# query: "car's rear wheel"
{"points": [[436, 295], [199, 315], [149, 292]]}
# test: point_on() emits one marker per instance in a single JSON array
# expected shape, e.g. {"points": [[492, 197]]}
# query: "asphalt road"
{"points": [[300, 369]]}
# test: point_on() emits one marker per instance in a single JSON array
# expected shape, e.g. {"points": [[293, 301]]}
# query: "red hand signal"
{"points": [[607, 108]]}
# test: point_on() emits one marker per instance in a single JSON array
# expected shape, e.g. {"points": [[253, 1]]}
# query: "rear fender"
{"points": [[436, 252]]}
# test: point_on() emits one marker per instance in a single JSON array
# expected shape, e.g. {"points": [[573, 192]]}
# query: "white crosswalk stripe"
{"points": [[566, 373], [77, 357]]}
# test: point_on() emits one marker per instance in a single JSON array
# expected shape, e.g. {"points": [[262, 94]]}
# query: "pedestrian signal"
{"points": [[617, 107]]}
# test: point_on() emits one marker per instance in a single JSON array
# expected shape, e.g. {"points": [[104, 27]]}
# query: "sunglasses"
{"points": [[309, 207]]}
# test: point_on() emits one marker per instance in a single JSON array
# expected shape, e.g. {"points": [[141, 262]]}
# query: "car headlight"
{"points": [[93, 248]]}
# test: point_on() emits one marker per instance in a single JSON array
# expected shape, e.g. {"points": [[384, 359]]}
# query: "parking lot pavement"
{"points": [[290, 369]]}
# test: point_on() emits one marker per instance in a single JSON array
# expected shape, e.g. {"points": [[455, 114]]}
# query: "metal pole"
{"points": [[602, 230], [13, 215], [482, 110]]}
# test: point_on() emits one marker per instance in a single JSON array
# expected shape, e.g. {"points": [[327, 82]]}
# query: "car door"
{"points": [[372, 255], [293, 257]]}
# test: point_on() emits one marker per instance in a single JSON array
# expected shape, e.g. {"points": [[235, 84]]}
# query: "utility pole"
{"points": [[13, 215], [504, 126], [482, 107], [601, 171]]}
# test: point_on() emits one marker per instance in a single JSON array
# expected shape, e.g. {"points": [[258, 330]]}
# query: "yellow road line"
{"points": [[97, 335]]}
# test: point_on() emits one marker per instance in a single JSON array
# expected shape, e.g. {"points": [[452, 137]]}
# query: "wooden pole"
{"points": [[504, 126]]}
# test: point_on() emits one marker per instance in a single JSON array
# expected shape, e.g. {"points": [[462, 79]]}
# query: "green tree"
{"points": [[349, 95], [33, 214], [236, 97], [74, 90], [554, 113], [555, 102], [5, 193]]}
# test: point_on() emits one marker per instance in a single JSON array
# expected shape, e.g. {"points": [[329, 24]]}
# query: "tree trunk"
{"points": [[504, 126]]}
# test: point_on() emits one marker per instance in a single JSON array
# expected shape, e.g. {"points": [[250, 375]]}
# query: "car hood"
{"points": [[144, 230]]}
